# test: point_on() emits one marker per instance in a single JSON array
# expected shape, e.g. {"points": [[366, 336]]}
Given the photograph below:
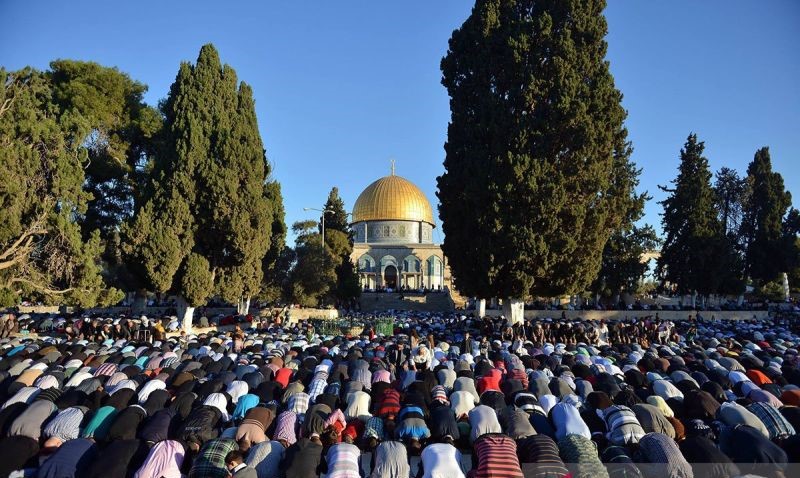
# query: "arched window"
{"points": [[411, 264], [366, 263], [435, 267]]}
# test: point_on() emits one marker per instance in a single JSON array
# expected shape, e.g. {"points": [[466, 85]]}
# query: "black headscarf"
{"points": [[120, 458], [707, 460], [182, 405], [125, 423], [156, 401], [752, 451], [16, 452]]}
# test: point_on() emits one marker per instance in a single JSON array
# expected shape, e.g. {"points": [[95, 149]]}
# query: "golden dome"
{"points": [[392, 198]]}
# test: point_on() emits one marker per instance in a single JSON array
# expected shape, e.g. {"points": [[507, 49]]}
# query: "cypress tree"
{"points": [[690, 253], [537, 171], [765, 211], [275, 265], [339, 239], [313, 277], [207, 224], [43, 254]]}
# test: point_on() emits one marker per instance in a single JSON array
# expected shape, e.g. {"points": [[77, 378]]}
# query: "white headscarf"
{"points": [[149, 387], [220, 402], [236, 389]]}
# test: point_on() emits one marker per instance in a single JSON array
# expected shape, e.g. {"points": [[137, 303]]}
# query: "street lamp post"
{"points": [[323, 211]]}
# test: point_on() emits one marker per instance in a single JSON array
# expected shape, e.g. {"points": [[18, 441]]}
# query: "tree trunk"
{"points": [[243, 308], [480, 308], [185, 314], [694, 300], [514, 310], [139, 302]]}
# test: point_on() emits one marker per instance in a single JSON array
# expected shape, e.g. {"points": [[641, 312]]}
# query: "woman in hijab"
{"points": [[707, 460], [29, 423], [253, 428], [752, 451], [158, 427], [156, 401], [220, 402], [245, 403], [237, 389], [662, 458], [126, 422], [119, 459], [120, 398], [164, 461], [182, 405], [71, 398], [100, 423], [149, 387]]}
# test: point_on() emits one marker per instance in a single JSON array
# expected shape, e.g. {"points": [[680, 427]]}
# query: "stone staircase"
{"points": [[432, 302]]}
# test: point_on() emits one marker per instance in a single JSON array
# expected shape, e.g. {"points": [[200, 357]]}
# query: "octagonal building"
{"points": [[392, 223]]}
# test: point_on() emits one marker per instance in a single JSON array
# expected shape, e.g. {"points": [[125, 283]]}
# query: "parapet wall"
{"points": [[640, 314]]}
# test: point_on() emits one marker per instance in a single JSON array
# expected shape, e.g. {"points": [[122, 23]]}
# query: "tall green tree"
{"points": [[731, 193], [313, 277], [791, 233], [43, 156], [279, 258], [622, 267], [339, 240], [537, 169], [107, 108], [121, 136], [695, 255], [763, 228], [207, 224]]}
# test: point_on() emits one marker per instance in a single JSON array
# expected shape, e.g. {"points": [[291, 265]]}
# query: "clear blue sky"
{"points": [[342, 87]]}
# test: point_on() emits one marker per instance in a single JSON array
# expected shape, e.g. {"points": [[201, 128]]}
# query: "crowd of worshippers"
{"points": [[465, 396]]}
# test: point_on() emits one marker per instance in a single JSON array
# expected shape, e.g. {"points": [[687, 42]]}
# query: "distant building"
{"points": [[393, 238]]}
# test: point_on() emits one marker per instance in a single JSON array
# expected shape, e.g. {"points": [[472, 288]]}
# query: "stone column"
{"points": [[480, 308], [514, 310]]}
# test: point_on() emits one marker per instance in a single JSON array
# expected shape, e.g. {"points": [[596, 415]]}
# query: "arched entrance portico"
{"points": [[390, 277]]}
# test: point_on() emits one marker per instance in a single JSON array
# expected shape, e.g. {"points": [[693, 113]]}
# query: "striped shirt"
{"points": [[317, 386], [343, 461], [497, 457], [777, 425], [541, 453], [624, 428], [390, 403]]}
